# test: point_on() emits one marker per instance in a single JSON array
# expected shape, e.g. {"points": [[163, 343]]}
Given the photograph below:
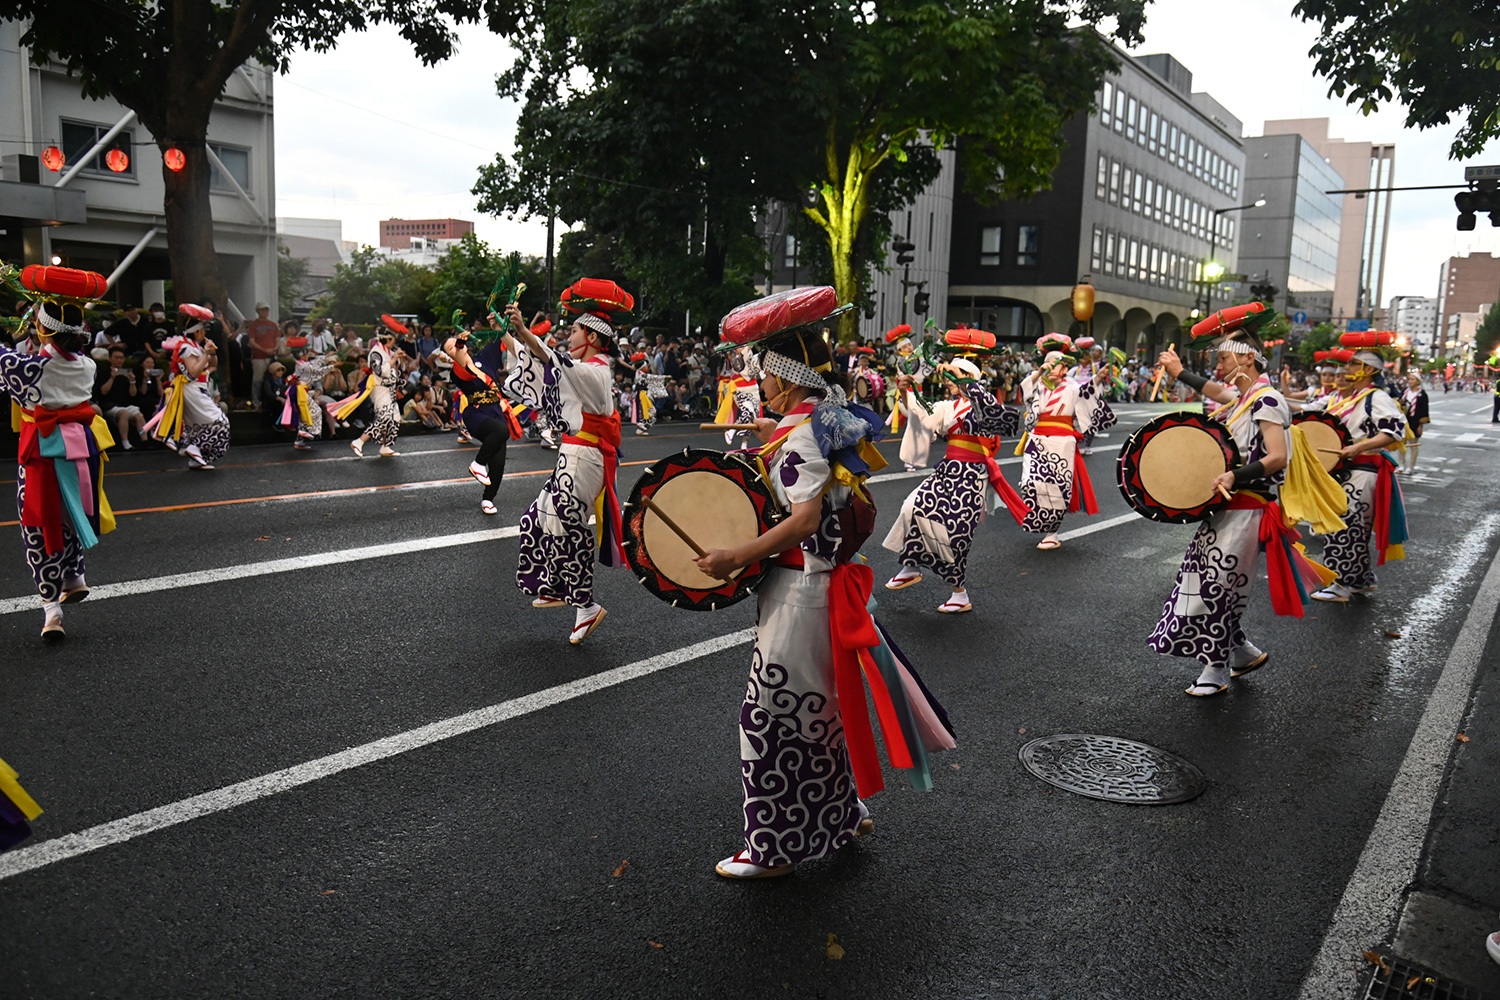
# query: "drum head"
{"points": [[1167, 467], [719, 501], [1327, 435]]}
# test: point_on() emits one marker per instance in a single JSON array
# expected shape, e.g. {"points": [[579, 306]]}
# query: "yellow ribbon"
{"points": [[347, 407], [1309, 493], [11, 788], [169, 428]]}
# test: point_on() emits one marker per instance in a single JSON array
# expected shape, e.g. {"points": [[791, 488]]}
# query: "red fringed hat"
{"points": [[393, 324], [864, 349], [1249, 317], [763, 318], [1085, 343], [896, 333], [1055, 342], [296, 343], [1370, 347], [638, 357], [966, 340], [599, 296]]}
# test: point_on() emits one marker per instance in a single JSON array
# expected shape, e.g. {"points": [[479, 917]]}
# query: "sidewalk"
{"points": [[1456, 899]]}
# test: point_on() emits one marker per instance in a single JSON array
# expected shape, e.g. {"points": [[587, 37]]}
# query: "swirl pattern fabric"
{"points": [[557, 546], [1351, 553], [1201, 617]]}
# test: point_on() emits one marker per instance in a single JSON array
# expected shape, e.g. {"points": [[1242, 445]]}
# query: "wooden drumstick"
{"points": [[1225, 492], [1161, 373], [666, 519], [1331, 451], [726, 427]]}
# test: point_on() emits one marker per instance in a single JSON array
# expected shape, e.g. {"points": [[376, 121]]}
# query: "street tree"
{"points": [[372, 283], [1437, 57], [466, 274], [169, 62], [1487, 336], [1322, 337]]}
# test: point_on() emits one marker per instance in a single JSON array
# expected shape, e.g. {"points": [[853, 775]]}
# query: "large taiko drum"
{"points": [[1167, 467], [868, 385], [717, 499], [1328, 437]]}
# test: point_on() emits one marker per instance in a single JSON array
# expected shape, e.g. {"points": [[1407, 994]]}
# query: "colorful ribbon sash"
{"points": [[1288, 570], [1389, 521]]}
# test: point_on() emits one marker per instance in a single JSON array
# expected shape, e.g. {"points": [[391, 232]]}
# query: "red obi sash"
{"points": [[1287, 569], [1385, 490], [1083, 487], [603, 433], [974, 448], [44, 506]]}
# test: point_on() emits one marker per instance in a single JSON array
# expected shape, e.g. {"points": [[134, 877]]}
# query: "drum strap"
{"points": [[1240, 407], [1345, 406]]}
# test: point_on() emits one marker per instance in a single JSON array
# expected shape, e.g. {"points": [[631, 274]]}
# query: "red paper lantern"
{"points": [[53, 159], [174, 159], [117, 160]]}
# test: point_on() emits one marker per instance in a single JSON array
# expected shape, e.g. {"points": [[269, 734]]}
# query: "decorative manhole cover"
{"points": [[1112, 769]]}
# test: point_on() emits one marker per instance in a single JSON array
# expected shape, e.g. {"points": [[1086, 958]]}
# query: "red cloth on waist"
{"points": [[1284, 562], [1083, 487], [1385, 482], [975, 448], [42, 507], [603, 432]]}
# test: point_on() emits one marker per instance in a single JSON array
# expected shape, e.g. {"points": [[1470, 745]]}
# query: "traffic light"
{"points": [[919, 303], [1470, 202], [1264, 291], [903, 248]]}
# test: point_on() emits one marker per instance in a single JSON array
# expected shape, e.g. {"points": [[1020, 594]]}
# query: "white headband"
{"points": [[598, 324], [790, 370], [1240, 347]]}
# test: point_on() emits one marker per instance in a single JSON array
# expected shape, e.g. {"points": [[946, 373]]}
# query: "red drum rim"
{"points": [[1128, 474]]}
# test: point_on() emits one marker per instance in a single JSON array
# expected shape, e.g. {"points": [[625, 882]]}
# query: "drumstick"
{"points": [[687, 539], [726, 427], [1225, 492], [1331, 451], [1161, 372]]}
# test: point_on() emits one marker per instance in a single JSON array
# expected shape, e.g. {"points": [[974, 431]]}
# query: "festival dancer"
{"points": [[573, 389], [1414, 400], [1376, 530], [380, 390], [304, 410], [59, 487], [1092, 369], [650, 392], [936, 526], [739, 398], [911, 371], [804, 730], [485, 411], [189, 419], [17, 809], [1059, 411], [1201, 619]]}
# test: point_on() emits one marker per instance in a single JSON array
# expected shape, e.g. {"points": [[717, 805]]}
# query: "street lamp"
{"points": [[1212, 271]]}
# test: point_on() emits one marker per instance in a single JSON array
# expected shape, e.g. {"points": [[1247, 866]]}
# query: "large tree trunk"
{"points": [[190, 226]]}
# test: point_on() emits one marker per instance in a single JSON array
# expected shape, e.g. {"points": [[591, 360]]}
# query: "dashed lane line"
{"points": [[51, 852]]}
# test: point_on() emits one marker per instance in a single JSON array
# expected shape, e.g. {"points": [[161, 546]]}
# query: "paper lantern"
{"points": [[117, 160], [53, 159], [1083, 302], [174, 159], [393, 324]]}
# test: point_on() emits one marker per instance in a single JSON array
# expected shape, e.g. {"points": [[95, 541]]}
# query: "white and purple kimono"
{"points": [[309, 373], [1201, 618], [385, 426], [1053, 480], [557, 546], [1104, 417], [654, 387], [801, 797], [1353, 552], [60, 455], [937, 521]]}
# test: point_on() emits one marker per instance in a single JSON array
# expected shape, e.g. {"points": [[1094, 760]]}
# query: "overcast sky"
{"points": [[367, 133]]}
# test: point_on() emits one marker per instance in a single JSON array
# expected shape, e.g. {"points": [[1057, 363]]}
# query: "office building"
{"points": [[1365, 220], [1143, 196], [320, 244], [397, 234], [1292, 241], [1464, 285], [1415, 318], [87, 215]]}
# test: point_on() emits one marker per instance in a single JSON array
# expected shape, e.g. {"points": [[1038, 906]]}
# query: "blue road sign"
{"points": [[1357, 325], [1299, 317]]}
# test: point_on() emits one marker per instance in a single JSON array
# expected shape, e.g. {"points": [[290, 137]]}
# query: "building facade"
{"points": [[112, 221], [1415, 318], [1365, 220], [1141, 199], [1464, 285], [397, 234], [1292, 241]]}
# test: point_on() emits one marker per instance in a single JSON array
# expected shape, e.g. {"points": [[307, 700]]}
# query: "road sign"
{"points": [[1299, 317], [1482, 173], [1357, 325]]}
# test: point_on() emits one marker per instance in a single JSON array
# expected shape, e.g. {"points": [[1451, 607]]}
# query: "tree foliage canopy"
{"points": [[466, 275], [371, 284], [1440, 58]]}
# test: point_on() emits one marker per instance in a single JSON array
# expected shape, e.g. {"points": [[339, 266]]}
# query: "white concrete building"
{"points": [[88, 216], [1415, 318]]}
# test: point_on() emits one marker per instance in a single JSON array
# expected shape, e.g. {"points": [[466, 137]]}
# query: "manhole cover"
{"points": [[1112, 769]]}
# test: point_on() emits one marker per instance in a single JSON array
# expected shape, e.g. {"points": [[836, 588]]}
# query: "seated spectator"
{"points": [[419, 409], [149, 387], [272, 393], [426, 346], [116, 390], [321, 340], [335, 385], [350, 346]]}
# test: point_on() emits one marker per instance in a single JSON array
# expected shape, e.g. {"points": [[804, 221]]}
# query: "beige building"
{"points": [[1365, 224], [1465, 285]]}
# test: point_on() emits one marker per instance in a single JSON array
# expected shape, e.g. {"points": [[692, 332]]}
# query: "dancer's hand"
{"points": [[765, 427], [718, 563]]}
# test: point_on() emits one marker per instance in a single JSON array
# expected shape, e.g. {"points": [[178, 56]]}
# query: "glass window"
{"points": [[790, 255], [1133, 109], [1149, 194], [1109, 253], [1101, 183], [989, 246], [1136, 192], [79, 137], [1143, 124], [1133, 263], [1119, 109], [1028, 246], [1155, 130], [1155, 266], [1106, 102], [236, 160], [1157, 204], [1114, 183], [1172, 145], [1096, 250]]}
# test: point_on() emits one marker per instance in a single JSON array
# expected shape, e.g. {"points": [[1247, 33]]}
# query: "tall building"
{"points": [[1139, 201], [1366, 219], [1464, 285], [1292, 241], [927, 223], [397, 234], [1415, 318], [320, 244], [88, 216]]}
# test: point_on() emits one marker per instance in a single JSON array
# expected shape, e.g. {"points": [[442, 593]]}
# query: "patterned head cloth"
{"points": [[1239, 347]]}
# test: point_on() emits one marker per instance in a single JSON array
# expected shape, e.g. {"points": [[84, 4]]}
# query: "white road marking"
{"points": [[50, 852], [1089, 529], [1372, 900], [1481, 409], [130, 588], [1467, 438]]}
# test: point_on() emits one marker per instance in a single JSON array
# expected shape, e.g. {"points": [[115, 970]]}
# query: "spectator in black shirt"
{"points": [[149, 387], [132, 331], [117, 397], [159, 327]]}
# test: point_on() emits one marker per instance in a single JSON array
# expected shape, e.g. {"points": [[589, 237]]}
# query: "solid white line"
{"points": [[1089, 529], [1368, 911], [118, 831], [1482, 409], [130, 588]]}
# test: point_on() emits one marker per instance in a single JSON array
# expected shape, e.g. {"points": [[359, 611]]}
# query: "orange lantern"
{"points": [[174, 159], [117, 160], [1083, 302], [53, 159]]}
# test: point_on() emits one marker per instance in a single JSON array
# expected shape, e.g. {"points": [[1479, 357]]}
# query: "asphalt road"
{"points": [[493, 861]]}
